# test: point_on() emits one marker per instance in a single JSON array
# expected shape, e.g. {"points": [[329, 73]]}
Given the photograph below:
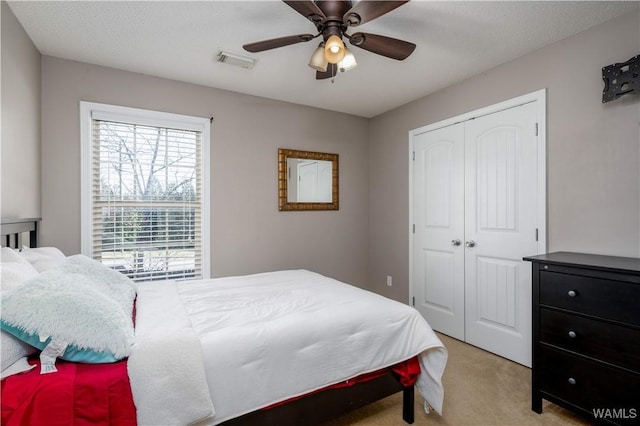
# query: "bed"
{"points": [[283, 347]]}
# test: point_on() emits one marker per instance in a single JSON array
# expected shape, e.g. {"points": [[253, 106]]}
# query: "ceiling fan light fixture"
{"points": [[334, 49], [348, 62], [318, 62]]}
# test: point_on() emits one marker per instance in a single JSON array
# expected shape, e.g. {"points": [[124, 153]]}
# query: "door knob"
{"points": [[455, 242], [470, 243]]}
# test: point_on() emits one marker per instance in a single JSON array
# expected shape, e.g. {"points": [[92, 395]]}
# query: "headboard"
{"points": [[12, 231]]}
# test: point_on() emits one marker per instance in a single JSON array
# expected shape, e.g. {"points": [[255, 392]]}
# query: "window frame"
{"points": [[91, 110]]}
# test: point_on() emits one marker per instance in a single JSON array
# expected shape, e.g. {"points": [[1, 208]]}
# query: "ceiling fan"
{"points": [[333, 18]]}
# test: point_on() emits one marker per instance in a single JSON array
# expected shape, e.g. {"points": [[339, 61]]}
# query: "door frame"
{"points": [[539, 96]]}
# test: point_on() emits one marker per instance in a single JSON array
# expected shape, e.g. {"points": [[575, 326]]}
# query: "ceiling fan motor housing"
{"points": [[332, 23]]}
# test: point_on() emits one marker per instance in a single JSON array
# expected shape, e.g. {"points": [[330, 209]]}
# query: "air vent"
{"points": [[235, 59]]}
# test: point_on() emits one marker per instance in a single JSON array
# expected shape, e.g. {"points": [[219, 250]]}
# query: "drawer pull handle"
{"points": [[572, 334], [572, 380], [572, 293]]}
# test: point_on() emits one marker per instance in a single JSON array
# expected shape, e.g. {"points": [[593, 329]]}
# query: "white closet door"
{"points": [[500, 228], [325, 193], [307, 182], [439, 220]]}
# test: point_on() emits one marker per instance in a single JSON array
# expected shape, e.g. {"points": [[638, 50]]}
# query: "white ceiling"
{"points": [[179, 40]]}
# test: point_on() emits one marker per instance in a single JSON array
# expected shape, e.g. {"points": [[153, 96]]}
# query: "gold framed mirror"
{"points": [[307, 180]]}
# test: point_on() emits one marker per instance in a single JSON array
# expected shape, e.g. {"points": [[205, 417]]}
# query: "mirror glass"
{"points": [[307, 180]]}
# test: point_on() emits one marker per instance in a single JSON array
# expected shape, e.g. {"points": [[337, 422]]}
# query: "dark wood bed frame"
{"points": [[311, 409], [12, 231], [330, 403]]}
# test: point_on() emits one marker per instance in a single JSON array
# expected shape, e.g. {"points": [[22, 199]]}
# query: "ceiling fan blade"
{"points": [[332, 70], [365, 11], [273, 43], [382, 45], [308, 9]]}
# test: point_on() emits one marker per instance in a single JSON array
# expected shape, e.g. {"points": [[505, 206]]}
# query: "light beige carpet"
{"points": [[480, 388]]}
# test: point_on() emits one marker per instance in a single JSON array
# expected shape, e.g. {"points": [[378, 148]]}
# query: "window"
{"points": [[145, 205]]}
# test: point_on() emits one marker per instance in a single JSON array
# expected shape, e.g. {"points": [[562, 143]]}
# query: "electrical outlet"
{"points": [[389, 280]]}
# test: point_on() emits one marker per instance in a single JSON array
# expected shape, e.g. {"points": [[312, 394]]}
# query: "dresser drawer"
{"points": [[586, 383], [614, 300], [612, 343]]}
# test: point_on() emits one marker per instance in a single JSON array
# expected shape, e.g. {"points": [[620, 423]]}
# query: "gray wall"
{"points": [[20, 139], [593, 155], [248, 232]]}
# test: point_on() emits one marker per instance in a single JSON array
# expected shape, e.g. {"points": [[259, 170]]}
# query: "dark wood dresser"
{"points": [[586, 335]]}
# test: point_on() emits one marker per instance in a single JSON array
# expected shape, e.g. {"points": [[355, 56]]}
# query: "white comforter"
{"points": [[269, 337]]}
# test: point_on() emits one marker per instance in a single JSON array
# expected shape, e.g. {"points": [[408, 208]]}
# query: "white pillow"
{"points": [[14, 270], [69, 311], [13, 351], [20, 366], [113, 284], [9, 255], [12, 274], [42, 258]]}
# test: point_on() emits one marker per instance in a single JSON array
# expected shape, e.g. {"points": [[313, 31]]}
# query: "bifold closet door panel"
{"points": [[500, 229], [438, 262]]}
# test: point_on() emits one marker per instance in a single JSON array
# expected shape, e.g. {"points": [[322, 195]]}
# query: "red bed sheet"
{"points": [[78, 394], [100, 394]]}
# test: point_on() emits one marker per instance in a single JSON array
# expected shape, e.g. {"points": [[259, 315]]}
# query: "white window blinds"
{"points": [[147, 199]]}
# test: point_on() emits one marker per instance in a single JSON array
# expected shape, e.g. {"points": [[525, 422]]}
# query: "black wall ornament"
{"points": [[620, 79]]}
